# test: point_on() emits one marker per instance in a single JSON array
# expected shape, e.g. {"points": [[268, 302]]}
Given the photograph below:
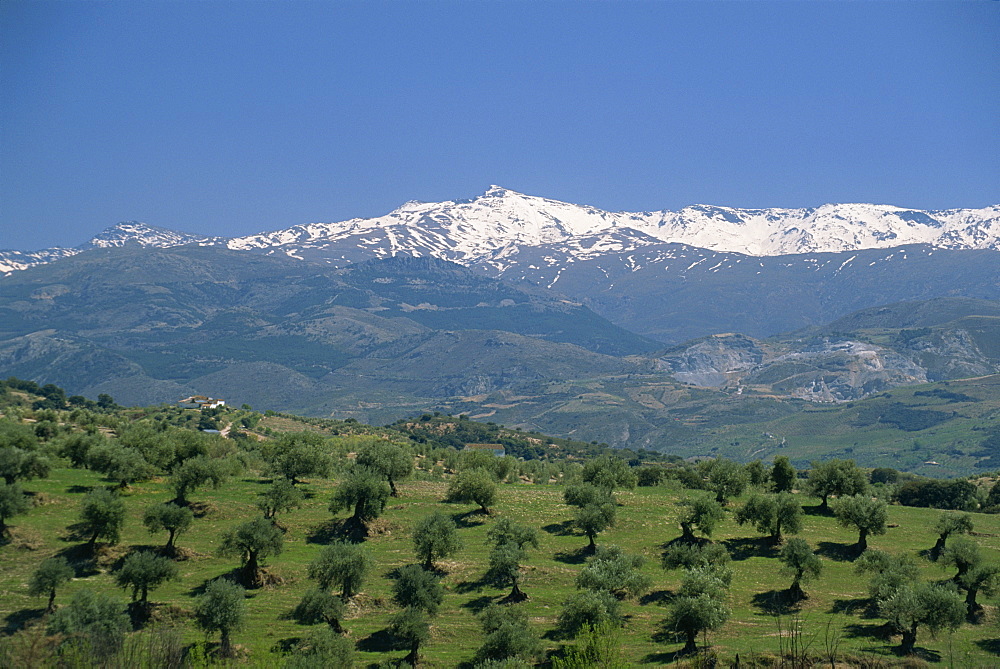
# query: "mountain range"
{"points": [[490, 228], [561, 318]]}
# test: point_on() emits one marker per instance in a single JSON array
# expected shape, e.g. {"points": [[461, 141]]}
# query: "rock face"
{"points": [[826, 369]]}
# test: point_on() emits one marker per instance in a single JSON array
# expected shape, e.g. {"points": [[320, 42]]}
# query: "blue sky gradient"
{"points": [[232, 118]]}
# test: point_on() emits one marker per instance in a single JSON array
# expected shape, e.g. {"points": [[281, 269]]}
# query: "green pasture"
{"points": [[833, 618]]}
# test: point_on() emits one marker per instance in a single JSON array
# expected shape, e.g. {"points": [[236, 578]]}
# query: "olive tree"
{"points": [[252, 541], [143, 571], [585, 609], [700, 605], [170, 517], [974, 573], [610, 473], [435, 537], [616, 572], [949, 523], [593, 519], [866, 514], [119, 463], [92, 621], [783, 474], [801, 563], [388, 460], [922, 604], [295, 455], [319, 605], [325, 648], [771, 514], [417, 588], [410, 628], [888, 572], [102, 515], [712, 557], [342, 564], [473, 485], [222, 609], [13, 502], [279, 497], [49, 576], [835, 477], [726, 479], [507, 637], [701, 512], [362, 491], [195, 473]]}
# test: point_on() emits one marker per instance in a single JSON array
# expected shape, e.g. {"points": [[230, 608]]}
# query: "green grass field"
{"points": [[832, 616]]}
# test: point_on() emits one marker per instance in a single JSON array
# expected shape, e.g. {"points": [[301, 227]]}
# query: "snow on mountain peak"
{"points": [[129, 233], [491, 225]]}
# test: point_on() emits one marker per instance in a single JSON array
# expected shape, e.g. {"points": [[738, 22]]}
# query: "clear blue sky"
{"points": [[235, 117]]}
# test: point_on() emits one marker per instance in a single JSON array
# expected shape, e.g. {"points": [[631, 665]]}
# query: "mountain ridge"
{"points": [[487, 228]]}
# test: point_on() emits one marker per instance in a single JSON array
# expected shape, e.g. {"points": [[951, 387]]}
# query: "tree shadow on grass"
{"points": [[748, 547], [287, 645], [657, 597], [79, 489], [991, 646], [578, 556], [81, 559], [837, 552], [661, 658], [473, 518], [476, 585], [478, 603], [337, 528], [775, 603], [926, 654], [875, 631], [862, 606], [16, 620], [234, 575], [817, 510], [381, 641], [563, 529]]}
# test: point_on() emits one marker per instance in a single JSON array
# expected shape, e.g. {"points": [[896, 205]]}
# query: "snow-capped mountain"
{"points": [[499, 224], [140, 234], [494, 224], [126, 233]]}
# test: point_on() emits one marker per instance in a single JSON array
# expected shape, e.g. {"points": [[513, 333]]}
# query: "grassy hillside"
{"points": [[646, 520], [835, 619]]}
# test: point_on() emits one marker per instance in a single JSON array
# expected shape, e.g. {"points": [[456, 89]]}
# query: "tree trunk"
{"points": [[795, 592], [411, 657], [52, 601], [909, 640], [335, 625], [862, 540], [972, 606], [687, 535], [824, 506], [516, 595], [592, 546], [938, 547], [691, 645], [392, 488], [251, 571], [429, 562], [226, 647]]}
